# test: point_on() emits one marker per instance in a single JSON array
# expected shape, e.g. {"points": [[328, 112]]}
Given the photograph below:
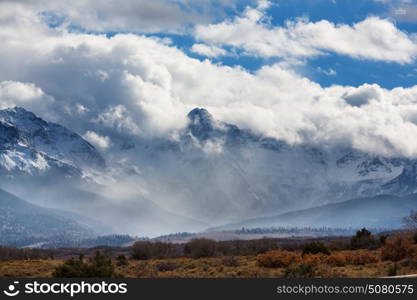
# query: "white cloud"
{"points": [[328, 72], [208, 50], [117, 118], [372, 38], [405, 13], [97, 140], [150, 86], [19, 91], [128, 15], [363, 94], [15, 93]]}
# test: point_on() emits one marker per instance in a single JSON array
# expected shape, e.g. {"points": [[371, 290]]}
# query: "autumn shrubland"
{"points": [[363, 255]]}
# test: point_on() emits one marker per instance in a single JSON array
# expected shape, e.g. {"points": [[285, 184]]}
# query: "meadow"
{"points": [[360, 256]]}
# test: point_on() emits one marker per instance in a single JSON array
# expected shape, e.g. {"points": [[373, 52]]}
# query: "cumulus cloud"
{"points": [[373, 38], [15, 93], [117, 118], [127, 15], [363, 94], [97, 140], [130, 87], [208, 50]]}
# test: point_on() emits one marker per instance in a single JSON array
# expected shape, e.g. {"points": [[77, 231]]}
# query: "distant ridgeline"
{"points": [[284, 231], [324, 231], [64, 241]]}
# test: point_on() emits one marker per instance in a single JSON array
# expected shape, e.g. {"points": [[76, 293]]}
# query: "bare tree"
{"points": [[410, 222]]}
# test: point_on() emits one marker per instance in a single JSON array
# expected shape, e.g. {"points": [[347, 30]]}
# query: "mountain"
{"points": [[54, 167], [31, 146], [207, 174], [405, 183], [219, 173], [383, 211], [22, 223]]}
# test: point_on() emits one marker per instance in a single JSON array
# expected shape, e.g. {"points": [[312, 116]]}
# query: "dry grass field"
{"points": [[397, 255], [359, 263]]}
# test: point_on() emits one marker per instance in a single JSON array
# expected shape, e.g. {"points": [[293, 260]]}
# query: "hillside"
{"points": [[22, 222], [380, 211]]}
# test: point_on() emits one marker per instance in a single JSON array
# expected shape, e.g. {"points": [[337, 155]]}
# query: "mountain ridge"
{"points": [[379, 211], [211, 173], [31, 145]]}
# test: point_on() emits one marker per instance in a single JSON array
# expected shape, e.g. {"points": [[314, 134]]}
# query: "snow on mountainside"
{"points": [[216, 171], [30, 145], [46, 164], [210, 173]]}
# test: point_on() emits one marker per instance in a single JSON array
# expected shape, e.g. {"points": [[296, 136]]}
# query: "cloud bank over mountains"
{"points": [[112, 87]]}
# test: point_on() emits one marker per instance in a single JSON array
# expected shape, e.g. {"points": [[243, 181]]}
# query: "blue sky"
{"points": [[348, 71], [328, 69]]}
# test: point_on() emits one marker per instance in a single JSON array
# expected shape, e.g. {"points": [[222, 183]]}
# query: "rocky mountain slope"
{"points": [[217, 172], [21, 223], [208, 174], [31, 146]]}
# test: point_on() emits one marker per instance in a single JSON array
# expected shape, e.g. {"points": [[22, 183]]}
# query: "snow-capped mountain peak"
{"points": [[214, 171], [267, 174], [31, 145], [202, 124]]}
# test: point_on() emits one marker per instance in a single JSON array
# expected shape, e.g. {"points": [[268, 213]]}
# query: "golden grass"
{"points": [[28, 268], [244, 267], [342, 263]]}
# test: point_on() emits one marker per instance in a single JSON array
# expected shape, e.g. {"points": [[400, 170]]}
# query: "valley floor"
{"points": [[228, 267], [361, 256]]}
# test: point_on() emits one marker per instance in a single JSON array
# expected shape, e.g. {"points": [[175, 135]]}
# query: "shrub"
{"points": [[302, 270], [392, 271], [338, 245], [99, 265], [363, 240], [143, 250], [121, 260], [11, 253], [357, 257], [363, 258], [363, 233], [166, 266], [395, 249], [314, 259], [228, 248], [383, 239], [259, 246], [230, 261], [314, 248], [146, 270], [164, 250], [198, 248], [245, 247], [277, 259], [337, 259]]}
